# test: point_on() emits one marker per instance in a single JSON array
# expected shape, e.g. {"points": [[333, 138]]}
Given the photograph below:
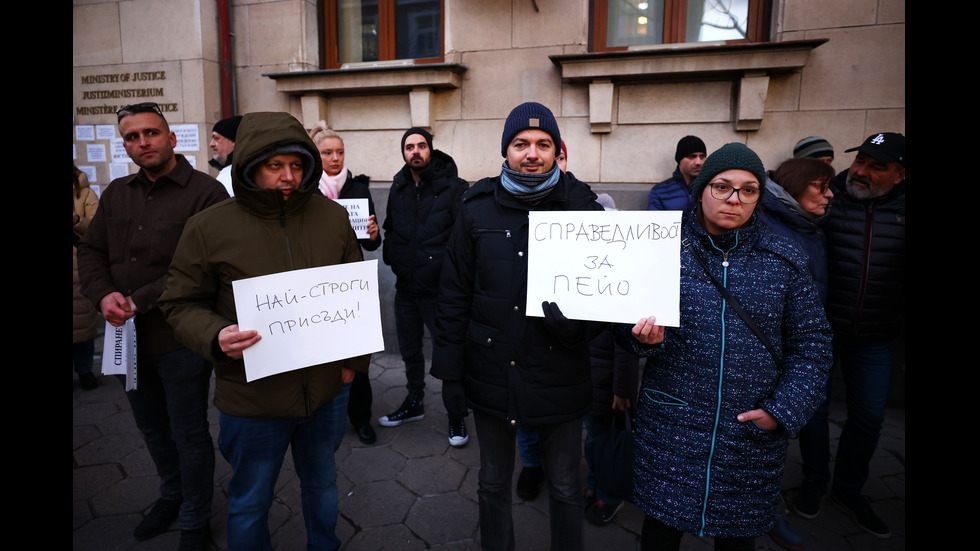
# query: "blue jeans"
{"points": [[590, 421], [529, 447], [255, 448], [413, 312], [867, 371], [561, 451], [170, 407]]}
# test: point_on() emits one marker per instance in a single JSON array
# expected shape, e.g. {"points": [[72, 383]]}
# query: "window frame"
{"points": [[386, 34], [675, 24]]}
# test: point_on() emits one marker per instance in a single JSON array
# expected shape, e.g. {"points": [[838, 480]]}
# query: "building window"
{"points": [[619, 24], [382, 30]]}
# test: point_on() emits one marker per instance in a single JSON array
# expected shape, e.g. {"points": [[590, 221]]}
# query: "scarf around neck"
{"points": [[529, 188], [331, 185]]}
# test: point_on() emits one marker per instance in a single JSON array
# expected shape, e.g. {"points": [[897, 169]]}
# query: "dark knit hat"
{"points": [[731, 156], [689, 145], [416, 130], [814, 147], [885, 147], [228, 127], [530, 115]]}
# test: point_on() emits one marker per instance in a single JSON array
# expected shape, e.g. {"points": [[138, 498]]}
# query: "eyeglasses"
{"points": [[722, 192], [823, 186], [146, 107]]}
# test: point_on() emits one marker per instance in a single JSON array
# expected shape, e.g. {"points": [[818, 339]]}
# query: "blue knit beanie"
{"points": [[530, 115]]}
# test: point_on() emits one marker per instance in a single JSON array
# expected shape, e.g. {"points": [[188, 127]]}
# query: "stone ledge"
{"points": [[750, 65], [417, 81], [360, 80]]}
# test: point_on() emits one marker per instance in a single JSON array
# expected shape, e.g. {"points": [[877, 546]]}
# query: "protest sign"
{"points": [[119, 352], [606, 266], [357, 210], [309, 317]]}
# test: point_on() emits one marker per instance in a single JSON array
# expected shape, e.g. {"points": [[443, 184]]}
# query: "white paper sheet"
{"points": [[616, 266], [308, 317]]}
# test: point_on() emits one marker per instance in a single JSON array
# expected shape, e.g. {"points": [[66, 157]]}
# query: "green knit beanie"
{"points": [[730, 156]]}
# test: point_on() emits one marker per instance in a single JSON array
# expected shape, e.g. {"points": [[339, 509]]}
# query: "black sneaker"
{"points": [[160, 517], [807, 502], [529, 483], [458, 437], [601, 512], [198, 539], [862, 514], [410, 410]]}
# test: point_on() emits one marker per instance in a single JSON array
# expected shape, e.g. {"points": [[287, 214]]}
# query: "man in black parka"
{"points": [[422, 205]]}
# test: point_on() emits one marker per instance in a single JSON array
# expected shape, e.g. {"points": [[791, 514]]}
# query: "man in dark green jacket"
{"points": [[275, 223]]}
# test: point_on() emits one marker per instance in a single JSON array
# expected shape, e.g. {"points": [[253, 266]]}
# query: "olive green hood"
{"points": [[260, 136]]}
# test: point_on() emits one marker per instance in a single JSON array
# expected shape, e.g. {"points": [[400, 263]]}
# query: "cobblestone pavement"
{"points": [[410, 490]]}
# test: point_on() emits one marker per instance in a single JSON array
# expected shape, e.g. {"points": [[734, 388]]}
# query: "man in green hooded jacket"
{"points": [[275, 223]]}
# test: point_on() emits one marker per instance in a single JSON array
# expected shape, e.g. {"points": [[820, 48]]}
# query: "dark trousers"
{"points": [[361, 398], [561, 454], [867, 370], [170, 406], [82, 354], [413, 312]]}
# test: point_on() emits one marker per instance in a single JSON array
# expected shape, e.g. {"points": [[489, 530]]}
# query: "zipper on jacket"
{"points": [[285, 235], [306, 398], [721, 377], [865, 265], [479, 231]]}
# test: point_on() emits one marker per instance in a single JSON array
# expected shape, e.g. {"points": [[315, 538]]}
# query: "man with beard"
{"points": [[674, 193], [515, 369], [422, 205], [866, 307]]}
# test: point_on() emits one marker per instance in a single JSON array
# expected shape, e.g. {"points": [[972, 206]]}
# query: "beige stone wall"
{"points": [[180, 38], [114, 43], [850, 87]]}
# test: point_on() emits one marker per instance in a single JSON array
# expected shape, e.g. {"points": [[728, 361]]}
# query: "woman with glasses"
{"points": [[719, 399], [797, 198]]}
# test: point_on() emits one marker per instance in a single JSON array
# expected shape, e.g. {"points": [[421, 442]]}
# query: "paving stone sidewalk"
{"points": [[410, 490]]}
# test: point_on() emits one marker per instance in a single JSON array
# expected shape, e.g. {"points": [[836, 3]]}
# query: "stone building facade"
{"points": [[834, 68]]}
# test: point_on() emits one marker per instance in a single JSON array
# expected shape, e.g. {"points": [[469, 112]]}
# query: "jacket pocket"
{"points": [[662, 398], [480, 334]]}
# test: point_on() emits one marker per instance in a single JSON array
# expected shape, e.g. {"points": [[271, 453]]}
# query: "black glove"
{"points": [[454, 398], [565, 330]]}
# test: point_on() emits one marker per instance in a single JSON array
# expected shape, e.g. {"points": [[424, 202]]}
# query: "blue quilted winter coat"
{"points": [[697, 468]]}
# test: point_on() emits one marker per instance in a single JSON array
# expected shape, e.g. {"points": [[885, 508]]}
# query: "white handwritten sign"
{"points": [[357, 210], [606, 266], [309, 317]]}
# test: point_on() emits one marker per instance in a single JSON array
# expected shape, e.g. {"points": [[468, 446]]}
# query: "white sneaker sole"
{"points": [[384, 422]]}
